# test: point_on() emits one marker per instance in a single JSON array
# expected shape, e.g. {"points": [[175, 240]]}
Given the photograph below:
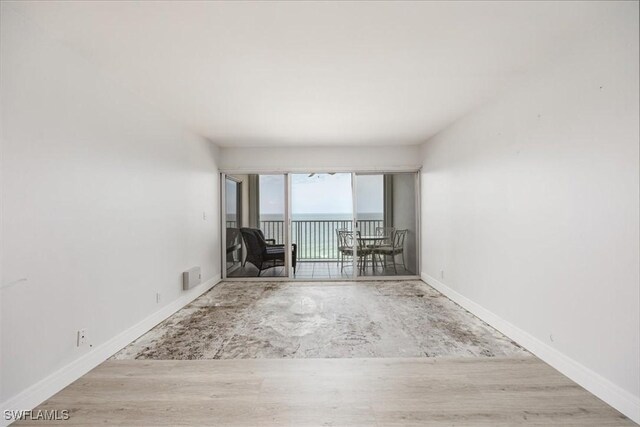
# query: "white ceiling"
{"points": [[296, 73]]}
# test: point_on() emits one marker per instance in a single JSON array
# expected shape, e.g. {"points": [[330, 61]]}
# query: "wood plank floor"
{"points": [[337, 392]]}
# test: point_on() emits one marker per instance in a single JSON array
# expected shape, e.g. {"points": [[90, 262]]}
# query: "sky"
{"points": [[321, 194]]}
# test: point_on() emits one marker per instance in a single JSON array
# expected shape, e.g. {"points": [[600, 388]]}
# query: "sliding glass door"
{"points": [[321, 226], [255, 225], [387, 224]]}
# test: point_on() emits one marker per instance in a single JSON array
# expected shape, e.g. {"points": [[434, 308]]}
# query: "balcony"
{"points": [[317, 250], [316, 240]]}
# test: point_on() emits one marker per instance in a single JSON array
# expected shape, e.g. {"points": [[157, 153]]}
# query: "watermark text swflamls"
{"points": [[37, 415]]}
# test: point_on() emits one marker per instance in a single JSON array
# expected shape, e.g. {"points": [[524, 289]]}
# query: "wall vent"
{"points": [[191, 278]]}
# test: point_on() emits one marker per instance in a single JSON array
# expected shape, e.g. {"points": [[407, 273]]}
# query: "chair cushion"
{"points": [[383, 247], [273, 250], [388, 250]]}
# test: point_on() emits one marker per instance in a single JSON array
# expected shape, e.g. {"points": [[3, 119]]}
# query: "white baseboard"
{"points": [[47, 387], [601, 387]]}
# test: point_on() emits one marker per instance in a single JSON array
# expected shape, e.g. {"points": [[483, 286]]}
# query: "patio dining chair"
{"points": [[364, 251], [385, 231], [396, 248], [345, 245]]}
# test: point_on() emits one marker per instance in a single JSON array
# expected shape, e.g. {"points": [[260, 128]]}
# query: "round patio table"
{"points": [[373, 241]]}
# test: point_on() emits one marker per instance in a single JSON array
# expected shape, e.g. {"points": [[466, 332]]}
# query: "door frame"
{"points": [[223, 209], [287, 229]]}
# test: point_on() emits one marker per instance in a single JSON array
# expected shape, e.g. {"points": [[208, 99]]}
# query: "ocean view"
{"points": [[322, 217]]}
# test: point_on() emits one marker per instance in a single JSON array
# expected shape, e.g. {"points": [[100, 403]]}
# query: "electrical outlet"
{"points": [[442, 274], [204, 215], [158, 297], [82, 337]]}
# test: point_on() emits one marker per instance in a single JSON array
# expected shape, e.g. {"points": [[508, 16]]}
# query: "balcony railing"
{"points": [[317, 240]]}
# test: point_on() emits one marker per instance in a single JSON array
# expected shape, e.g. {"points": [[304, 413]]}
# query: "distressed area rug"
{"points": [[321, 320]]}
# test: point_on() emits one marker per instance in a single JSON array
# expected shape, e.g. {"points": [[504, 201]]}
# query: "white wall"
{"points": [[530, 208], [102, 207], [333, 159]]}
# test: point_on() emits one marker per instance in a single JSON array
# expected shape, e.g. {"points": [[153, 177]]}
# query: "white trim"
{"points": [[418, 209], [304, 170], [47, 387], [288, 258], [355, 226], [601, 387], [223, 226]]}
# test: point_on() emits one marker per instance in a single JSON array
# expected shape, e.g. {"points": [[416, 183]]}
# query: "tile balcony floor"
{"points": [[321, 270]]}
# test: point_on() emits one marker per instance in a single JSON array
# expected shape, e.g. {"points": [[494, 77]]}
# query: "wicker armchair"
{"points": [[263, 254]]}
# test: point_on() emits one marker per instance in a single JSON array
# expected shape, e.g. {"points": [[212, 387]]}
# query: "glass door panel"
{"points": [[321, 225], [369, 218], [260, 226], [386, 218]]}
